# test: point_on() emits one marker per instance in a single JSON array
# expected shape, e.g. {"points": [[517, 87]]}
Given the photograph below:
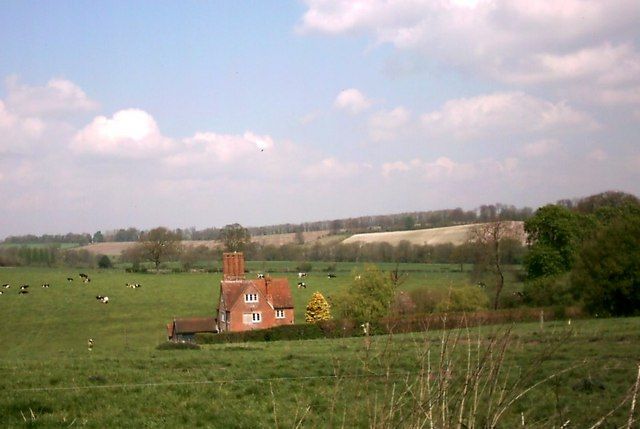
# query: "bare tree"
{"points": [[489, 239], [160, 244]]}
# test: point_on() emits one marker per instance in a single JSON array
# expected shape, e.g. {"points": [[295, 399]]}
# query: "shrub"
{"points": [[104, 262], [318, 309], [304, 267], [466, 298], [426, 299], [548, 291]]}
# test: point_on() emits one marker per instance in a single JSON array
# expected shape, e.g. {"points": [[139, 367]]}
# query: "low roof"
{"points": [[192, 325], [276, 291]]}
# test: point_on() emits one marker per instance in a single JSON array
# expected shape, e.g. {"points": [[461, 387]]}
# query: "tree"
{"points": [[490, 239], [318, 309], [607, 271], [369, 297], [98, 237], [553, 234], [104, 262], [235, 237], [159, 244]]}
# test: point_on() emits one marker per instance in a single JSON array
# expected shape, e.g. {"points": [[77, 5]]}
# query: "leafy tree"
{"points": [[318, 309], [160, 244], [369, 297], [98, 237], [553, 234], [104, 262], [235, 237], [607, 272]]}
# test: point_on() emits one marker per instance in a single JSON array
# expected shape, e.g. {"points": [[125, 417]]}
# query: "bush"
{"points": [[104, 262], [548, 291], [304, 267], [427, 299], [466, 298]]}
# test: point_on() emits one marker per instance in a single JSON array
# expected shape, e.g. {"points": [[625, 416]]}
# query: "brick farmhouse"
{"points": [[251, 304]]}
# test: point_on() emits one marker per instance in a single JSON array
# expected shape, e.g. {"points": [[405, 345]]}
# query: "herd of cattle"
{"points": [[24, 288], [301, 275]]}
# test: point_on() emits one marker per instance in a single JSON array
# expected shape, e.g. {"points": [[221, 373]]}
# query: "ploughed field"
{"points": [[49, 378]]}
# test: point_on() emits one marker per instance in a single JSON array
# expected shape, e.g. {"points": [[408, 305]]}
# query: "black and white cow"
{"points": [[46, 285], [103, 299], [69, 279], [301, 275], [331, 276], [24, 287], [6, 285], [260, 276], [302, 285]]}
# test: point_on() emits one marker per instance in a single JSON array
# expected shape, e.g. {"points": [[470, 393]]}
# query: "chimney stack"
{"points": [[233, 266]]}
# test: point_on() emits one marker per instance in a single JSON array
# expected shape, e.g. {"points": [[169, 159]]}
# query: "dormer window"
{"points": [[250, 297]]}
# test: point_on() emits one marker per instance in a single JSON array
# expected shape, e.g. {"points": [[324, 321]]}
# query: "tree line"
{"points": [[390, 222]]}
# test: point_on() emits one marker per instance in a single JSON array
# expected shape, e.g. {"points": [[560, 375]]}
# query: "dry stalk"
{"points": [[633, 400]]}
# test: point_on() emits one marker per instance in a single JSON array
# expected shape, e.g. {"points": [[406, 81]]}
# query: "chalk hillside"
{"points": [[456, 235]]}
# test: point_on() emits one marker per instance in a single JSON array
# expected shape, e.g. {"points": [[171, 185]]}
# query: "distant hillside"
{"points": [[451, 234], [115, 248]]}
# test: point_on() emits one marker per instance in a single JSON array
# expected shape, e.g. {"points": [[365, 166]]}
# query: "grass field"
{"points": [[50, 379]]}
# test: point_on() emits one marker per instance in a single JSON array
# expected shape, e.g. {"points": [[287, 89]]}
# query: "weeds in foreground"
{"points": [[462, 381]]}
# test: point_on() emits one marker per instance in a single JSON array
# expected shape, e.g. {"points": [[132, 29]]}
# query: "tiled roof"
{"points": [[195, 324], [276, 291]]}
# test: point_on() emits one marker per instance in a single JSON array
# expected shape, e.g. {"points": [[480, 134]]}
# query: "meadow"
{"points": [[50, 379]]}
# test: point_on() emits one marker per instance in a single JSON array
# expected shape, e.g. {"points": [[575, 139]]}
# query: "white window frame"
{"points": [[256, 317], [280, 314], [250, 297]]}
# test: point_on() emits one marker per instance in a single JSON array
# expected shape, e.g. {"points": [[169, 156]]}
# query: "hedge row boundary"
{"points": [[417, 323]]}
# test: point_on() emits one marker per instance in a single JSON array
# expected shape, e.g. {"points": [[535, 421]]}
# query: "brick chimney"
{"points": [[232, 266]]}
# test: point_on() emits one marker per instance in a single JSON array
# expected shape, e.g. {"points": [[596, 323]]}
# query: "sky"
{"points": [[160, 113]]}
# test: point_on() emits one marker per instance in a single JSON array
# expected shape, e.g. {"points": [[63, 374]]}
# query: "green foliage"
{"points": [[369, 297], [548, 291], [318, 309], [104, 262], [466, 298], [607, 275], [553, 234]]}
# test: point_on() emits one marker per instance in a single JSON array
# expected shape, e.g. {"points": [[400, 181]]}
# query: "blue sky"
{"points": [[118, 114]]}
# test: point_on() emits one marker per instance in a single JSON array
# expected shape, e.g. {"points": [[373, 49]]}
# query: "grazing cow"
{"points": [[301, 275], [23, 291], [24, 287], [86, 280], [1, 292], [83, 275], [90, 344], [302, 284], [46, 285], [6, 285], [482, 285], [69, 279], [103, 299], [331, 276], [260, 275], [133, 285]]}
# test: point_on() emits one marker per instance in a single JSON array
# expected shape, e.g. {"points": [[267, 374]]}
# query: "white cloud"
{"points": [[16, 132], [509, 41], [130, 133], [503, 113], [540, 148], [332, 168], [388, 125], [208, 147], [352, 100], [59, 96], [444, 169]]}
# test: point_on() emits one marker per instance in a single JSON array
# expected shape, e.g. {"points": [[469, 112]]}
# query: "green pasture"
{"points": [[50, 379]]}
